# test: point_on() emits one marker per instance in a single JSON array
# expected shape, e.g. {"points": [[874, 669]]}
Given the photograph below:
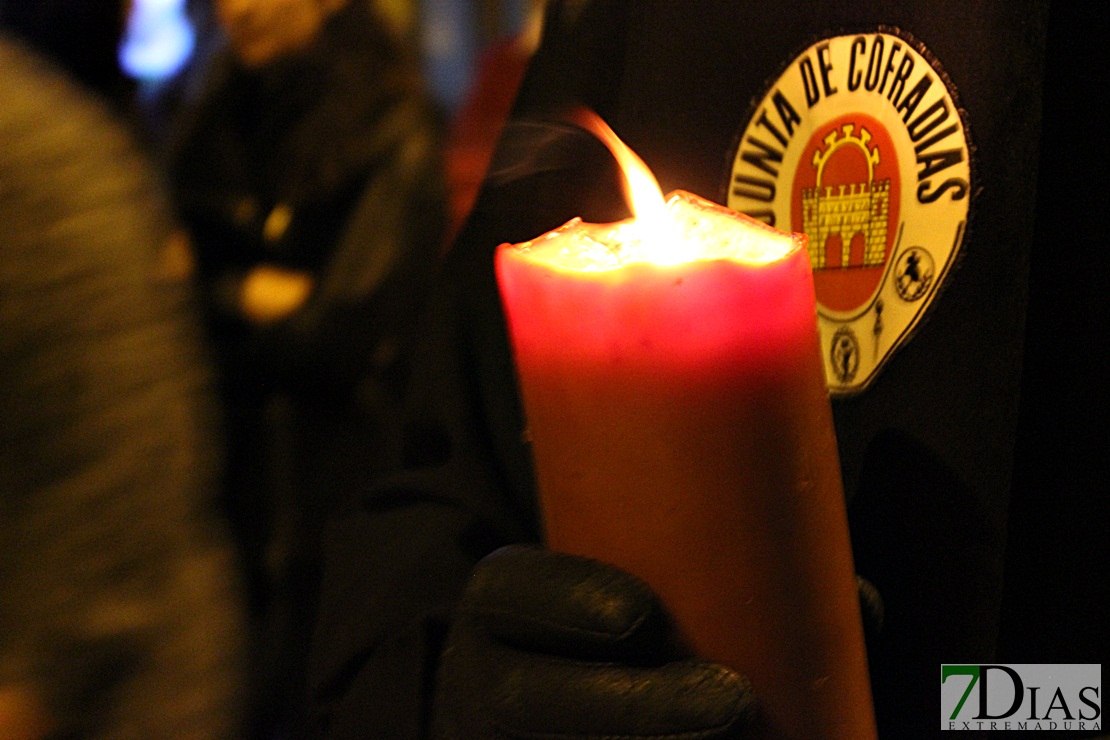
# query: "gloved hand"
{"points": [[545, 644]]}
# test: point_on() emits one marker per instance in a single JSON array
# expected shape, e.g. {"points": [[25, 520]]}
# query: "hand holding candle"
{"points": [[681, 429]]}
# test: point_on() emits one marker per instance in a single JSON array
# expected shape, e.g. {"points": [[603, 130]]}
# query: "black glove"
{"points": [[545, 644]]}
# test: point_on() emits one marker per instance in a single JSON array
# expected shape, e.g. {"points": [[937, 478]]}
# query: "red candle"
{"points": [[675, 397]]}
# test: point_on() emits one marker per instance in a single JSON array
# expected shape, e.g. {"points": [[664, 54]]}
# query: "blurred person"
{"points": [[971, 461], [120, 614], [307, 172]]}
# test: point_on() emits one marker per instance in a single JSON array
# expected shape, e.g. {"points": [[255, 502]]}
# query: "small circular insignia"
{"points": [[861, 144], [844, 355], [913, 275]]}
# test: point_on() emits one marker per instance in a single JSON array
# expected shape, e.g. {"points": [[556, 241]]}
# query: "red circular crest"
{"points": [[846, 197]]}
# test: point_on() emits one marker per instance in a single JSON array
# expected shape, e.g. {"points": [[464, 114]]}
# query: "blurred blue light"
{"points": [[450, 49], [159, 40]]}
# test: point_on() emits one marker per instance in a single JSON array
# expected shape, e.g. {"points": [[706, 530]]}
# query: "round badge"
{"points": [[861, 144]]}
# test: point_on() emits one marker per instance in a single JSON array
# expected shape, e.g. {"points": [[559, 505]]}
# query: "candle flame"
{"points": [[640, 186], [642, 191], [680, 228]]}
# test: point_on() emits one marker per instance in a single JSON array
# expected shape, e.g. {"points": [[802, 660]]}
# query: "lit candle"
{"points": [[675, 398]]}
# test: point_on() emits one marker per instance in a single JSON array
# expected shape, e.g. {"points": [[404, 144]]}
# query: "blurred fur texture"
{"points": [[117, 602]]}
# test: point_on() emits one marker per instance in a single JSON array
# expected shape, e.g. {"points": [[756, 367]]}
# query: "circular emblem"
{"points": [[844, 355], [860, 144], [914, 274]]}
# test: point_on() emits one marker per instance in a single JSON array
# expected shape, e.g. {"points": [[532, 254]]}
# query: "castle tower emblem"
{"points": [[847, 213], [846, 196]]}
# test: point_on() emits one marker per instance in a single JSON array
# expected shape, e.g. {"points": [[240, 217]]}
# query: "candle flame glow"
{"points": [[641, 190], [678, 229], [640, 186]]}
